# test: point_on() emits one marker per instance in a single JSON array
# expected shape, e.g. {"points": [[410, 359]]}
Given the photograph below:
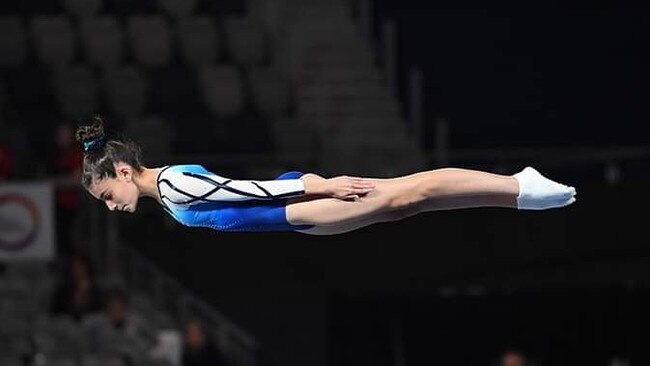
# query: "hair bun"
{"points": [[92, 137]]}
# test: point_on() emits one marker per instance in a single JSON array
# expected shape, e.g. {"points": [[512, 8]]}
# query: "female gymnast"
{"points": [[113, 172]]}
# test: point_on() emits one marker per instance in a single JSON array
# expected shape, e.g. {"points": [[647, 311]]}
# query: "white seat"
{"points": [[222, 90], [102, 40], [177, 8], [81, 8], [149, 39], [271, 90], [248, 40], [54, 39], [125, 90], [198, 39], [13, 41], [75, 91]]}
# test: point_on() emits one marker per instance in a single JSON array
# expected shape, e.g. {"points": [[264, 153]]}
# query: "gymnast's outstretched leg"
{"points": [[434, 204], [396, 198]]}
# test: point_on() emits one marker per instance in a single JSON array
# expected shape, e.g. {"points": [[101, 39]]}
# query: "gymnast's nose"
{"points": [[111, 205]]}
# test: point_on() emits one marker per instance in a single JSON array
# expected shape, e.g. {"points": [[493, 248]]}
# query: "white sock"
{"points": [[537, 192]]}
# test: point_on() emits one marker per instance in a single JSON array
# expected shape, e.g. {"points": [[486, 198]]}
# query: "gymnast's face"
{"points": [[119, 193]]}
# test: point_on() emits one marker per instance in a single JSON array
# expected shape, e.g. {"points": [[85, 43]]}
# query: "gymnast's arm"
{"points": [[188, 186]]}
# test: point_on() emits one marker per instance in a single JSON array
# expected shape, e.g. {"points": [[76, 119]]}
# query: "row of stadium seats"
{"points": [[222, 90], [29, 331], [175, 8], [151, 40]]}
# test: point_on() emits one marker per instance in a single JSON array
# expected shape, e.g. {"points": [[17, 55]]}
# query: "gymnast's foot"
{"points": [[537, 192]]}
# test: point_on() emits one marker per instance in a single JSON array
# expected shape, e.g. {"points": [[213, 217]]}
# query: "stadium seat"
{"points": [[150, 40], [125, 90], [54, 39], [271, 90], [222, 90], [102, 40], [248, 41], [75, 91], [199, 40]]}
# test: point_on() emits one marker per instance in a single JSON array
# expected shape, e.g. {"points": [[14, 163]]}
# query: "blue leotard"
{"points": [[194, 196]]}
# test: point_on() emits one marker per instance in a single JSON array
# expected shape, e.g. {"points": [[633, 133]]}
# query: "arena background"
{"points": [[376, 88]]}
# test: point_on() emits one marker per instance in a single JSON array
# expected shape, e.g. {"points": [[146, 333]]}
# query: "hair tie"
{"points": [[94, 143]]}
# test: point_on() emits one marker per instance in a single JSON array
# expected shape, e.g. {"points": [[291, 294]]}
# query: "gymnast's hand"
{"points": [[342, 187]]}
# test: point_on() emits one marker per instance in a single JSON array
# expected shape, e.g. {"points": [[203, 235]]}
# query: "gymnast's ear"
{"points": [[124, 171]]}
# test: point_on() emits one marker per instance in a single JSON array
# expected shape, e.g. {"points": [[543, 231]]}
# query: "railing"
{"points": [[142, 275]]}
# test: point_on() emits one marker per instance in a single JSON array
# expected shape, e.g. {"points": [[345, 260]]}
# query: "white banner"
{"points": [[27, 221]]}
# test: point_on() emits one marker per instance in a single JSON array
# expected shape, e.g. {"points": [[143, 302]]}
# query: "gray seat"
{"points": [[125, 91], [271, 90], [150, 39], [222, 90], [102, 40], [198, 39], [54, 39], [75, 91], [248, 40]]}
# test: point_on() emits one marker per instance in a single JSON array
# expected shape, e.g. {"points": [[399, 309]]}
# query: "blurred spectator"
{"points": [[77, 293], [7, 161], [512, 357], [66, 164], [199, 350], [120, 331]]}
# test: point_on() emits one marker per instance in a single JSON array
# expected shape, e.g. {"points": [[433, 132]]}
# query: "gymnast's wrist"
{"points": [[315, 186]]}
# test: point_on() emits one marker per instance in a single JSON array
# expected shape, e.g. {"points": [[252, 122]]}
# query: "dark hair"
{"points": [[101, 153]]}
